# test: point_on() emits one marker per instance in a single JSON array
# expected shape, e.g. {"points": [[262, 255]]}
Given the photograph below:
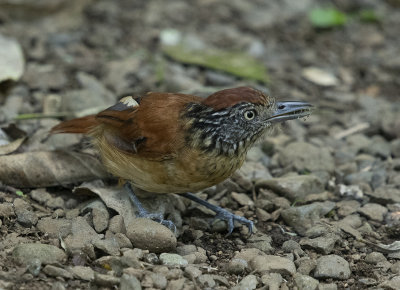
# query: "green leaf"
{"points": [[369, 16], [19, 193], [235, 63], [327, 18]]}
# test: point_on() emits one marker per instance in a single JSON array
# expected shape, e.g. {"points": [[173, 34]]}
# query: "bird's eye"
{"points": [[249, 115]]}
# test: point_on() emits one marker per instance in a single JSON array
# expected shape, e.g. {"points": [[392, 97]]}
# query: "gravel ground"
{"points": [[324, 193]]}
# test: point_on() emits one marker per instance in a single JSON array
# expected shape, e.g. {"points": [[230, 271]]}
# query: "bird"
{"points": [[180, 143]]}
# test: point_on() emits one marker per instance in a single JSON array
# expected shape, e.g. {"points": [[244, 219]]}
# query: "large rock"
{"points": [[275, 264], [149, 235], [293, 187], [46, 254], [303, 156], [332, 266], [302, 218]]}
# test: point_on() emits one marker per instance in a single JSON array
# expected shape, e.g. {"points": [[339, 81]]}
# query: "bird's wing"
{"points": [[150, 127]]}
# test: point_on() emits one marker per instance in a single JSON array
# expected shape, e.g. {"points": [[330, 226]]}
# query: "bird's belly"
{"points": [[190, 173]]}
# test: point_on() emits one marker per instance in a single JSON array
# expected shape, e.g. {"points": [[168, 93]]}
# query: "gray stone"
{"points": [[178, 284], [46, 254], [304, 282], [293, 187], [375, 258], [56, 202], [186, 250], [347, 207], [272, 280], [269, 263], [100, 215], [248, 254], [40, 195], [55, 228], [172, 259], [247, 283], [57, 272], [374, 211], [25, 215], [359, 177], [206, 281], [332, 266], [123, 241], [324, 245], [395, 148], [242, 199], [83, 273], [291, 246], [378, 147], [392, 284], [306, 157], [109, 246], [159, 280], [106, 280], [6, 210], [261, 242], [305, 265], [302, 218], [117, 225], [237, 266], [129, 282], [325, 286], [192, 272], [92, 95], [44, 76], [81, 235], [385, 194], [150, 235]]}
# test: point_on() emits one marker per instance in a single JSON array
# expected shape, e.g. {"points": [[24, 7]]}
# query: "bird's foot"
{"points": [[143, 213], [223, 214], [230, 218]]}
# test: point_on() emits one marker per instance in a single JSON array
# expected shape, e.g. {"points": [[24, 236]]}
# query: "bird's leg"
{"points": [[143, 213], [222, 214]]}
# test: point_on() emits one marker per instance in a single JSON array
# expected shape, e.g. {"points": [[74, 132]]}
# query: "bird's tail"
{"points": [[81, 125]]}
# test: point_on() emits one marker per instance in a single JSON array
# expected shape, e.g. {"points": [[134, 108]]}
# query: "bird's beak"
{"points": [[290, 110]]}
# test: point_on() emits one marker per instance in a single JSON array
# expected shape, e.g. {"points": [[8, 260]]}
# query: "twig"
{"points": [[355, 129], [41, 116]]}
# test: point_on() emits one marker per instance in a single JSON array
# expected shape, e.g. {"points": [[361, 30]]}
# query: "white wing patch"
{"points": [[129, 102]]}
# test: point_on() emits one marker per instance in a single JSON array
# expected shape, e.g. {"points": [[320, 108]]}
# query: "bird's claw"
{"points": [[158, 217], [230, 219]]}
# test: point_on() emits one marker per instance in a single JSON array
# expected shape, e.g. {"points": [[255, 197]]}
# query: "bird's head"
{"points": [[230, 121]]}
